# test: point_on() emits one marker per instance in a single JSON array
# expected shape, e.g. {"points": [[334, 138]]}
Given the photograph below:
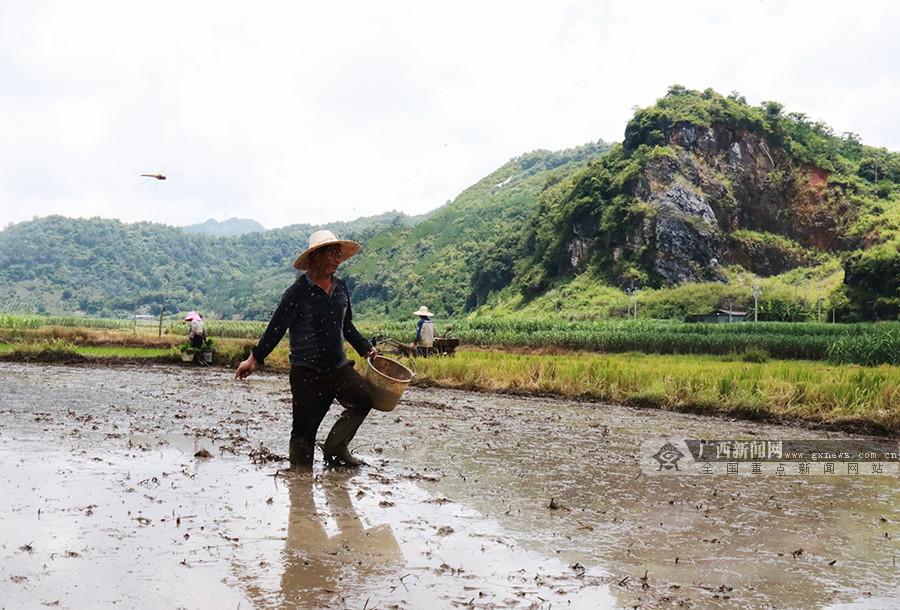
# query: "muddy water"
{"points": [[105, 504]]}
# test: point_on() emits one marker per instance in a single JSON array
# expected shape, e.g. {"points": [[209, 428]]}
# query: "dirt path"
{"points": [[471, 500]]}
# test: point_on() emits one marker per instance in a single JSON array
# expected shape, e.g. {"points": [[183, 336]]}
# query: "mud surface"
{"points": [[469, 501]]}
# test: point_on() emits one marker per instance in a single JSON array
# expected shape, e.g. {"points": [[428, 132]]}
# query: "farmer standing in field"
{"points": [[316, 310], [424, 340]]}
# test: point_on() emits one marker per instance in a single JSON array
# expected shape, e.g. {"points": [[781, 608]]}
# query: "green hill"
{"points": [[706, 187], [455, 257], [226, 228]]}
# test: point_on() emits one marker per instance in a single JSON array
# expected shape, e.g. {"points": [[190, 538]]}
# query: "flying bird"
{"points": [[157, 176]]}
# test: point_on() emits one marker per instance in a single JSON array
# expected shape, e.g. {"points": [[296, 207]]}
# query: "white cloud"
{"points": [[299, 112]]}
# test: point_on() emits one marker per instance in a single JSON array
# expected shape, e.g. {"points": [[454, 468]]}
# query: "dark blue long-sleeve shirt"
{"points": [[318, 324]]}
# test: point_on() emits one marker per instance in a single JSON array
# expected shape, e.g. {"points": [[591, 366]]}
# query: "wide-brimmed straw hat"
{"points": [[423, 311], [323, 238]]}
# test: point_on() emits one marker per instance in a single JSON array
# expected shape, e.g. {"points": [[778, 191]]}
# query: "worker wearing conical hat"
{"points": [[424, 332]]}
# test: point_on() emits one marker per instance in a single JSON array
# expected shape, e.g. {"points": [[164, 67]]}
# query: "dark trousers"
{"points": [[313, 394]]}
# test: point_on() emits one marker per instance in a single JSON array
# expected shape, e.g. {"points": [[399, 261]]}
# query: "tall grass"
{"points": [[22, 321], [803, 340], [867, 348]]}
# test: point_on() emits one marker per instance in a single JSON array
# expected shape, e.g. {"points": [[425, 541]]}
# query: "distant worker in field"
{"points": [[197, 330], [424, 332], [316, 310]]}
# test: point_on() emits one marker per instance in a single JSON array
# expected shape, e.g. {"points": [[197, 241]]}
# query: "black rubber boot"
{"points": [[341, 456], [301, 454], [336, 444]]}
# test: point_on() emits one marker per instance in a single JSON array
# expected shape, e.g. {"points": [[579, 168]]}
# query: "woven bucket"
{"points": [[387, 379]]}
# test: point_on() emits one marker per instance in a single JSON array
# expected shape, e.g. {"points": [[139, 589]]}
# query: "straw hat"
{"points": [[423, 311], [320, 239]]}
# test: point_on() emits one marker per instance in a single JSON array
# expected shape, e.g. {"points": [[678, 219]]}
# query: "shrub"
{"points": [[755, 354]]}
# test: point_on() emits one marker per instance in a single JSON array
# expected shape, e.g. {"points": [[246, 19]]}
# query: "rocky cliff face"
{"points": [[711, 181]]}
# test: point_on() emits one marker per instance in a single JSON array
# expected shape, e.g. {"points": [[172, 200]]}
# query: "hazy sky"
{"points": [[290, 112]]}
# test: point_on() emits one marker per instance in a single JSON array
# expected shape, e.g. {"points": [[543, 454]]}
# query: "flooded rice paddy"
{"points": [[137, 487]]}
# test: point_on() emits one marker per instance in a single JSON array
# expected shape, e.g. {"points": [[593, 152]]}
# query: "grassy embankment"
{"points": [[844, 396], [46, 351], [735, 377], [71, 339]]}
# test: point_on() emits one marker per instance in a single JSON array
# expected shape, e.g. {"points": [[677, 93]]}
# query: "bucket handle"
{"points": [[410, 360]]}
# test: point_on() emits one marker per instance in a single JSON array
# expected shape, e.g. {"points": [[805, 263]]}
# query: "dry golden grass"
{"points": [[844, 396], [90, 336]]}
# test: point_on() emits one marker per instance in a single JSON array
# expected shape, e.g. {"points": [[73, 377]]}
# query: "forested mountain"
{"points": [[705, 197], [106, 267], [226, 228]]}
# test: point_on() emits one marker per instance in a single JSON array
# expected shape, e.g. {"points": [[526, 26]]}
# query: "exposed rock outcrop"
{"points": [[711, 181]]}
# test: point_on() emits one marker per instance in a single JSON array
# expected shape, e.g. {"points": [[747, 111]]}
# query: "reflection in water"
{"points": [[318, 566]]}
